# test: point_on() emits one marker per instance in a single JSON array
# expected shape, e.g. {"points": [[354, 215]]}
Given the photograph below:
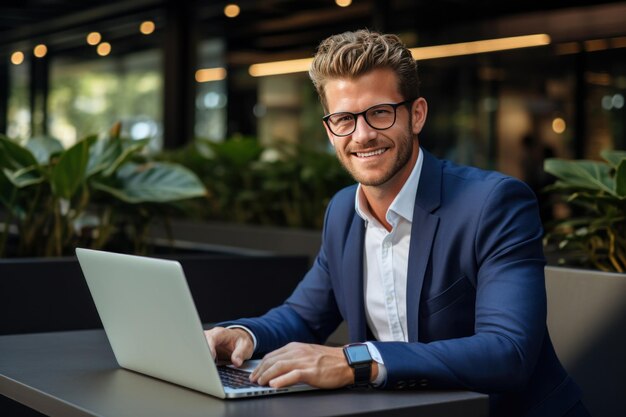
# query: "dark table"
{"points": [[75, 374]]}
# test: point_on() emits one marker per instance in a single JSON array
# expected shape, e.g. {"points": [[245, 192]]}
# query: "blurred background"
{"points": [[221, 88], [179, 72]]}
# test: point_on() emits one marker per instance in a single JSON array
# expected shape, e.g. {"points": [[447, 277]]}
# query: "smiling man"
{"points": [[436, 268]]}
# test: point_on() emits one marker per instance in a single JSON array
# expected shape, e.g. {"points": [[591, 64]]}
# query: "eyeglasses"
{"points": [[379, 117]]}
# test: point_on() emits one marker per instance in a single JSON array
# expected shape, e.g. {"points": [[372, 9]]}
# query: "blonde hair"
{"points": [[352, 54]]}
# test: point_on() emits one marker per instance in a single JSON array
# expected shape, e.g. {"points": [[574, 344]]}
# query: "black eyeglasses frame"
{"points": [[355, 116]]}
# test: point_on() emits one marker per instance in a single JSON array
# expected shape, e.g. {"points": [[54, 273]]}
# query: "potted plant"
{"points": [[596, 236], [102, 193], [587, 293], [87, 195]]}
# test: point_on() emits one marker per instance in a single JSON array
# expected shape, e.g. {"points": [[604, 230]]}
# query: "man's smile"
{"points": [[370, 154]]}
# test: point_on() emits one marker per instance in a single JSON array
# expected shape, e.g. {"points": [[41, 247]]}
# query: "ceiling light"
{"points": [[210, 74], [231, 10], [17, 57], [558, 125], [423, 53], [618, 42], [147, 27], [343, 3], [40, 50], [104, 49], [596, 45], [94, 38], [280, 67], [479, 47]]}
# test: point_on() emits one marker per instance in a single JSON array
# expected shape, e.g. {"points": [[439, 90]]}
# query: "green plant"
{"points": [[296, 187], [98, 190], [596, 235], [286, 185]]}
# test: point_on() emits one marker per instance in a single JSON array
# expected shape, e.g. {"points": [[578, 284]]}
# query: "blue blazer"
{"points": [[476, 301]]}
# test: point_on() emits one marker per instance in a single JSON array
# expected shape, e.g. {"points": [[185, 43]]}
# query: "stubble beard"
{"points": [[404, 147]]}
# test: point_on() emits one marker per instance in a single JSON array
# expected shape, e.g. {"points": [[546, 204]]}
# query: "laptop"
{"points": [[153, 326]]}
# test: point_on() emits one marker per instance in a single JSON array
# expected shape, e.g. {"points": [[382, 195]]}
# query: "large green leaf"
{"points": [[613, 157], [18, 164], [24, 177], [102, 154], [129, 147], [153, 183], [108, 154], [43, 147], [70, 172], [620, 179], [585, 174], [14, 156]]}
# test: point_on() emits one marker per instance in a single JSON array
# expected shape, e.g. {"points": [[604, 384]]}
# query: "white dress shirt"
{"points": [[385, 265]]}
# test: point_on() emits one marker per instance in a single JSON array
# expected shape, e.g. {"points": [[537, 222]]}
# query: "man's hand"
{"points": [[316, 365], [235, 345]]}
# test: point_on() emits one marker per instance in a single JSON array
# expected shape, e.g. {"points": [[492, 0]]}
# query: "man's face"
{"points": [[376, 158]]}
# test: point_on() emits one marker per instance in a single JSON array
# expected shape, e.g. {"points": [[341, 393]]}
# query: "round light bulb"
{"points": [[558, 125], [94, 38], [40, 50], [17, 57], [232, 10], [104, 49], [147, 27]]}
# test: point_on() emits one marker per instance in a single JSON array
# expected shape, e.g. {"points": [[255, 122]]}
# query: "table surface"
{"points": [[75, 374]]}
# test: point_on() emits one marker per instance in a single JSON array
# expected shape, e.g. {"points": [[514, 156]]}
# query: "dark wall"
{"points": [[44, 295]]}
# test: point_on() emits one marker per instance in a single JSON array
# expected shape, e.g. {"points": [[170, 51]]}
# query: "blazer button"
{"points": [[423, 383]]}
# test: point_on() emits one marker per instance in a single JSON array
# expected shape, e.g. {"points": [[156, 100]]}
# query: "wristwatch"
{"points": [[360, 360]]}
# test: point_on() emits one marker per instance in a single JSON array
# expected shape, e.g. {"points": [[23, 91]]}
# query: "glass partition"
{"points": [[88, 97], [211, 91], [18, 112]]}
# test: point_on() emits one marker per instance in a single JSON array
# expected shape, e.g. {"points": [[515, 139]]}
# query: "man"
{"points": [[438, 267]]}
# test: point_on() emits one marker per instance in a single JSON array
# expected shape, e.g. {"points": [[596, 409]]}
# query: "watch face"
{"points": [[358, 354]]}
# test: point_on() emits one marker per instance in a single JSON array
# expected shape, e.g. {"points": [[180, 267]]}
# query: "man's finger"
{"points": [[278, 368], [292, 377], [209, 339], [241, 352], [263, 367]]}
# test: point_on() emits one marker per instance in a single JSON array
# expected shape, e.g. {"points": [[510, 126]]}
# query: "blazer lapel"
{"points": [[352, 271], [423, 229]]}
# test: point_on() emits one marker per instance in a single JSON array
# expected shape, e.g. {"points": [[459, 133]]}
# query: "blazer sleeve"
{"points": [[309, 315], [510, 308]]}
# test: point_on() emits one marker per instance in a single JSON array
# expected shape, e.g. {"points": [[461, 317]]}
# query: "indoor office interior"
{"points": [[220, 90]]}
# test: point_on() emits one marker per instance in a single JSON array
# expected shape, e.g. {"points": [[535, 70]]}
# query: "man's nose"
{"points": [[363, 132]]}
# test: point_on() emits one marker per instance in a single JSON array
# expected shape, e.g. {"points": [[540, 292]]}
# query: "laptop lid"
{"points": [[152, 323], [150, 318]]}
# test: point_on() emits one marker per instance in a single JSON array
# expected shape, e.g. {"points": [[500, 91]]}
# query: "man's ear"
{"points": [[419, 111]]}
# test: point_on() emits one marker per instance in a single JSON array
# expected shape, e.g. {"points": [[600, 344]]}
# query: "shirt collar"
{"points": [[404, 202]]}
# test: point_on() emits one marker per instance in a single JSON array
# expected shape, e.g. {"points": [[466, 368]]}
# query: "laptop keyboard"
{"points": [[235, 378]]}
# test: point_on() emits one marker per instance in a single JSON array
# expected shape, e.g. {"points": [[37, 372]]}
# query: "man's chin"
{"points": [[370, 180], [371, 176]]}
